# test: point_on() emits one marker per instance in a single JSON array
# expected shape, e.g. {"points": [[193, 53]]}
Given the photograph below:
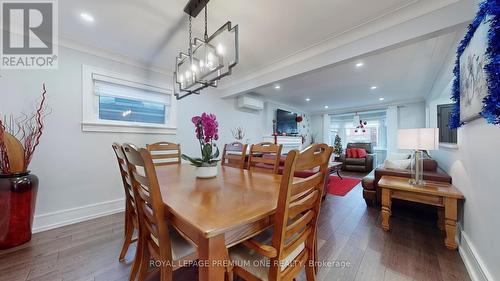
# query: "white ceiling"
{"points": [[400, 74], [154, 31]]}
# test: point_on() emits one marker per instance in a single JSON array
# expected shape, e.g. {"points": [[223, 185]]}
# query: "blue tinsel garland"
{"points": [[491, 107]]}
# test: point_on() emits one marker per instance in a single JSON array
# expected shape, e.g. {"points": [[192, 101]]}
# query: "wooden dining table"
{"points": [[219, 212]]}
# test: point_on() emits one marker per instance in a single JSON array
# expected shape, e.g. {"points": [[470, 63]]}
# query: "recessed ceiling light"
{"points": [[308, 99], [373, 87], [326, 106], [359, 64], [87, 17], [277, 87], [380, 99]]}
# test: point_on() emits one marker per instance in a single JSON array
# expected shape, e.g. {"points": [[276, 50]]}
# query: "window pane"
{"points": [[370, 135], [129, 110]]}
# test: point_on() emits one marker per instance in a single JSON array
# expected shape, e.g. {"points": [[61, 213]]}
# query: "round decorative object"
{"points": [[17, 198], [206, 172]]}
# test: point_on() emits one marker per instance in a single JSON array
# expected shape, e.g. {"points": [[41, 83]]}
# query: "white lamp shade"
{"points": [[418, 139]]}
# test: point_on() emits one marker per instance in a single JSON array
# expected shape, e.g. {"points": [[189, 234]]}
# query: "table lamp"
{"points": [[419, 140]]}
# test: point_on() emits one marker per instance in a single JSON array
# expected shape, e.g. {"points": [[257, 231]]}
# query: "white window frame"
{"points": [[90, 104]]}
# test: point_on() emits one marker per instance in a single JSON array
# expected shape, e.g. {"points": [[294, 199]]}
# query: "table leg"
{"points": [[212, 254], [338, 174], [450, 217], [440, 218], [386, 209]]}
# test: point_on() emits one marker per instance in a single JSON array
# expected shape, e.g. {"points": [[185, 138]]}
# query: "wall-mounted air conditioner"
{"points": [[250, 103]]}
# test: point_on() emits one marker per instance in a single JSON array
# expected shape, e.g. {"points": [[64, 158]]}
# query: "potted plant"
{"points": [[207, 131], [19, 138]]}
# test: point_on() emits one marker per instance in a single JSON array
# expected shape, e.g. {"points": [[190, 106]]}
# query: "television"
{"points": [[286, 122]]}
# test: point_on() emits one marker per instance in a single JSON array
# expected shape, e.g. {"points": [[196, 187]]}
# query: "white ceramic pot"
{"points": [[206, 172]]}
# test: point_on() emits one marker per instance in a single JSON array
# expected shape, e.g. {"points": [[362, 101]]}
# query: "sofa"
{"points": [[371, 191], [364, 164]]}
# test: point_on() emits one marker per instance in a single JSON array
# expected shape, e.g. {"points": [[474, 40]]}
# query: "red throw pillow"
{"points": [[349, 153], [361, 152], [352, 153]]}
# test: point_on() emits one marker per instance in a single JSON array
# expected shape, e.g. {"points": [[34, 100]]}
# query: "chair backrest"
{"points": [[234, 155], [165, 153], [265, 157], [297, 212], [127, 182], [153, 228]]}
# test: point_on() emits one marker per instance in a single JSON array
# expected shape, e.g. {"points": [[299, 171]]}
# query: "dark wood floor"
{"points": [[349, 232]]}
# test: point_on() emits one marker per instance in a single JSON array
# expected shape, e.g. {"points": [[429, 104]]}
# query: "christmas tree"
{"points": [[337, 146]]}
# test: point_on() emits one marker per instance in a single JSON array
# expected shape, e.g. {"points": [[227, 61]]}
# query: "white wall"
{"points": [[77, 170], [411, 115], [317, 127], [474, 167]]}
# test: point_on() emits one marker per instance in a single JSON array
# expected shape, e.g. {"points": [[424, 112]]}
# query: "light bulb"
{"points": [[194, 68], [210, 57], [202, 64], [188, 74], [181, 78], [220, 49]]}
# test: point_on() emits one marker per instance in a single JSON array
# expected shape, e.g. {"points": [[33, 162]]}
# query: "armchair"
{"points": [[358, 164]]}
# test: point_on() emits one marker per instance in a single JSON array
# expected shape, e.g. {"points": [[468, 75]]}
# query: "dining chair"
{"points": [[292, 244], [131, 223], [265, 157], [157, 240], [234, 155], [165, 153]]}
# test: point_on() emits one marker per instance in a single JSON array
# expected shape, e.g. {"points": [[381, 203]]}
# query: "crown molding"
{"points": [[77, 46]]}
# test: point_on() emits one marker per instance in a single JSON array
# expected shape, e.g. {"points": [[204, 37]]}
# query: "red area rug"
{"points": [[341, 187]]}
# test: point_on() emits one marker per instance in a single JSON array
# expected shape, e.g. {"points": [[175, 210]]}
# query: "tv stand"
{"points": [[288, 142]]}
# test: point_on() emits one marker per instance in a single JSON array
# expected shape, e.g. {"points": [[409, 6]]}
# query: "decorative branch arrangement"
{"points": [[238, 133], [26, 130], [4, 158]]}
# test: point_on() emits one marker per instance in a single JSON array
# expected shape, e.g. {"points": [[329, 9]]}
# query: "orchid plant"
{"points": [[207, 131]]}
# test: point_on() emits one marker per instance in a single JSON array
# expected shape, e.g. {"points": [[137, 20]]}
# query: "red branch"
{"points": [[28, 129], [35, 131], [4, 157]]}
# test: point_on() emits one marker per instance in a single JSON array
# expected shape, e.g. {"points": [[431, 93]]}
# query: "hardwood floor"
{"points": [[349, 233]]}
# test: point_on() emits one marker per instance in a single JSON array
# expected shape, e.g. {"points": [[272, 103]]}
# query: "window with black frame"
{"points": [[446, 135]]}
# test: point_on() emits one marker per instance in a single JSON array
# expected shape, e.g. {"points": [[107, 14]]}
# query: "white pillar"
{"points": [[392, 128], [327, 129]]}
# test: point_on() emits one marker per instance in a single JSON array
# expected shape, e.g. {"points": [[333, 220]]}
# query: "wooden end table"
{"points": [[440, 194]]}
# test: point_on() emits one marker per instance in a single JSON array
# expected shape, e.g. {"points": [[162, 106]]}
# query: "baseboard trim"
{"points": [[473, 262], [75, 215]]}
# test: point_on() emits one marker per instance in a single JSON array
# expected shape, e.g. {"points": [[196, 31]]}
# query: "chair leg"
{"points": [[310, 266], [137, 261], [229, 268], [129, 232], [310, 270], [166, 273], [144, 262]]}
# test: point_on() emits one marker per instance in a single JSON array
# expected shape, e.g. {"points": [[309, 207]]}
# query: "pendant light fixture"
{"points": [[207, 60], [358, 123]]}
